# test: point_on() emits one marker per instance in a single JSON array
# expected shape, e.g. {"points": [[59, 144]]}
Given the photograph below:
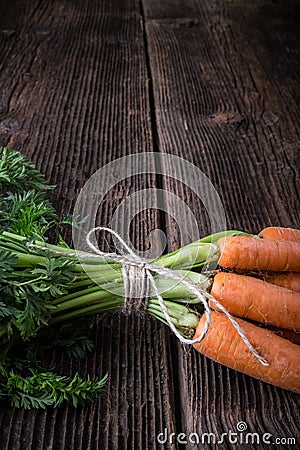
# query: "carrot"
{"points": [[224, 345], [281, 234], [257, 300], [286, 280], [253, 253]]}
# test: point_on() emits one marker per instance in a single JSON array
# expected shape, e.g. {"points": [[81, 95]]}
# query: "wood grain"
{"points": [[214, 82], [225, 77], [74, 96]]}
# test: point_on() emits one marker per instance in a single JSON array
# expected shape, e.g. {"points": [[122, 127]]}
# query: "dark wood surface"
{"points": [[214, 82]]}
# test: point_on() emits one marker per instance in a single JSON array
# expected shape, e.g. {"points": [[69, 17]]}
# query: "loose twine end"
{"points": [[138, 279]]}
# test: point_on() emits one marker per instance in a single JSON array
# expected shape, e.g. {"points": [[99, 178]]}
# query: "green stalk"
{"points": [[86, 268], [90, 289], [197, 253], [167, 287], [15, 242], [192, 255], [27, 260], [115, 303], [213, 238], [181, 316], [103, 277], [81, 300], [98, 283]]}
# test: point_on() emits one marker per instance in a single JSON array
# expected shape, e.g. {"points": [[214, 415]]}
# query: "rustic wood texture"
{"points": [[215, 82], [225, 84], [74, 96]]}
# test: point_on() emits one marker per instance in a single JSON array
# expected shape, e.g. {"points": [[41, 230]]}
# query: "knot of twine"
{"points": [[137, 278], [136, 288]]}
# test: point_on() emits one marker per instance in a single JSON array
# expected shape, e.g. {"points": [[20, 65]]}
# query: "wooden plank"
{"points": [[174, 9], [225, 77], [74, 96]]}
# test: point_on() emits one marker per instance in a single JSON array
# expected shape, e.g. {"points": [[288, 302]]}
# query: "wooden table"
{"points": [[83, 83]]}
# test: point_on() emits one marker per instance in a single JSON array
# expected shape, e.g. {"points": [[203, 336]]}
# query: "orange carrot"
{"points": [[224, 345], [257, 300], [286, 280], [281, 234], [253, 253]]}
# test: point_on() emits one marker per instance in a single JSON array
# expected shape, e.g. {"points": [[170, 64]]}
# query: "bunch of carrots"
{"points": [[45, 287], [261, 287]]}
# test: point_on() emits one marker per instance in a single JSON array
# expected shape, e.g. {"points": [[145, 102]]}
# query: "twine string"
{"points": [[136, 288], [138, 276]]}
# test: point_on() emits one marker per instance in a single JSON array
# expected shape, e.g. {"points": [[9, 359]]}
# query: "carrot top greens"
{"points": [[42, 293]]}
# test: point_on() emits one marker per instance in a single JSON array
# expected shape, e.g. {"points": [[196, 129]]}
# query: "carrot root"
{"points": [[281, 234], [253, 253], [257, 300], [224, 345]]}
